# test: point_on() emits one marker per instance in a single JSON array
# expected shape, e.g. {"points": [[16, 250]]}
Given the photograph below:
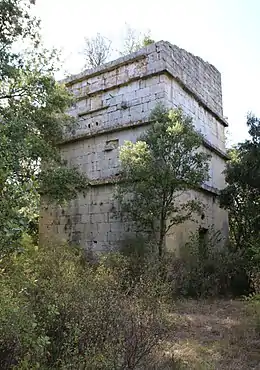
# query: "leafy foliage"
{"points": [[242, 194], [59, 312], [16, 24], [158, 169], [32, 107], [207, 270]]}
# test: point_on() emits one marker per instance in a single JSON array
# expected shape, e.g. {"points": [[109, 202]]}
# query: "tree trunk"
{"points": [[161, 235]]}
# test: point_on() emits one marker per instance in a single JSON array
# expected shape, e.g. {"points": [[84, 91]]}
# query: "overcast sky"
{"points": [[225, 33]]}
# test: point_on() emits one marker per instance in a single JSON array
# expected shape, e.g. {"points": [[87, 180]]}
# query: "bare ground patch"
{"points": [[212, 335]]}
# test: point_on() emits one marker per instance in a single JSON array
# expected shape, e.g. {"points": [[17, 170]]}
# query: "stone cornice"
{"points": [[107, 67], [213, 148], [112, 180], [120, 127]]}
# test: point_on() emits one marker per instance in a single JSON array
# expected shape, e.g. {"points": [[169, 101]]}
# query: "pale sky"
{"points": [[226, 33]]}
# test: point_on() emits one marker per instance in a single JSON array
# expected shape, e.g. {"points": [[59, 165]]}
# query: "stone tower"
{"points": [[114, 102]]}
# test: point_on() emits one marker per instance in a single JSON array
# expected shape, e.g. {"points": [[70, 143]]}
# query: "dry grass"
{"points": [[213, 335]]}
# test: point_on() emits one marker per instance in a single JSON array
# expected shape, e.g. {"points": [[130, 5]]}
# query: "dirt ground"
{"points": [[213, 335]]}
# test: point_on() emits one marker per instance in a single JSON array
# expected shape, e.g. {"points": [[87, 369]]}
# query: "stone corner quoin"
{"points": [[113, 104]]}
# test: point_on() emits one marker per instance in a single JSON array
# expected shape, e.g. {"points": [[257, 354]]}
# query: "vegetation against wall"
{"points": [[33, 119], [158, 169]]}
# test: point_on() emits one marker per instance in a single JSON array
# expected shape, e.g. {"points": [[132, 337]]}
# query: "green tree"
{"points": [[33, 121], [242, 194], [158, 169]]}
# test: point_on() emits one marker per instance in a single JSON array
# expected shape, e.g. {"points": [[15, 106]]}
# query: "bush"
{"points": [[143, 265], [207, 270], [59, 312], [201, 269]]}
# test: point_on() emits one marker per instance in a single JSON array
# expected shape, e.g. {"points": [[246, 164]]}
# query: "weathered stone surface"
{"points": [[114, 103]]}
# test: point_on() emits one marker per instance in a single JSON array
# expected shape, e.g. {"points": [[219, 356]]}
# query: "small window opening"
{"points": [[111, 145]]}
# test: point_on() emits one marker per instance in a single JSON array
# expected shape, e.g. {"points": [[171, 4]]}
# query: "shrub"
{"points": [[59, 312], [144, 268], [207, 270], [18, 327]]}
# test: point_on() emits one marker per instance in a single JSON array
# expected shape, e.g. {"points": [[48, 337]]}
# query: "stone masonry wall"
{"points": [[201, 77], [113, 105]]}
